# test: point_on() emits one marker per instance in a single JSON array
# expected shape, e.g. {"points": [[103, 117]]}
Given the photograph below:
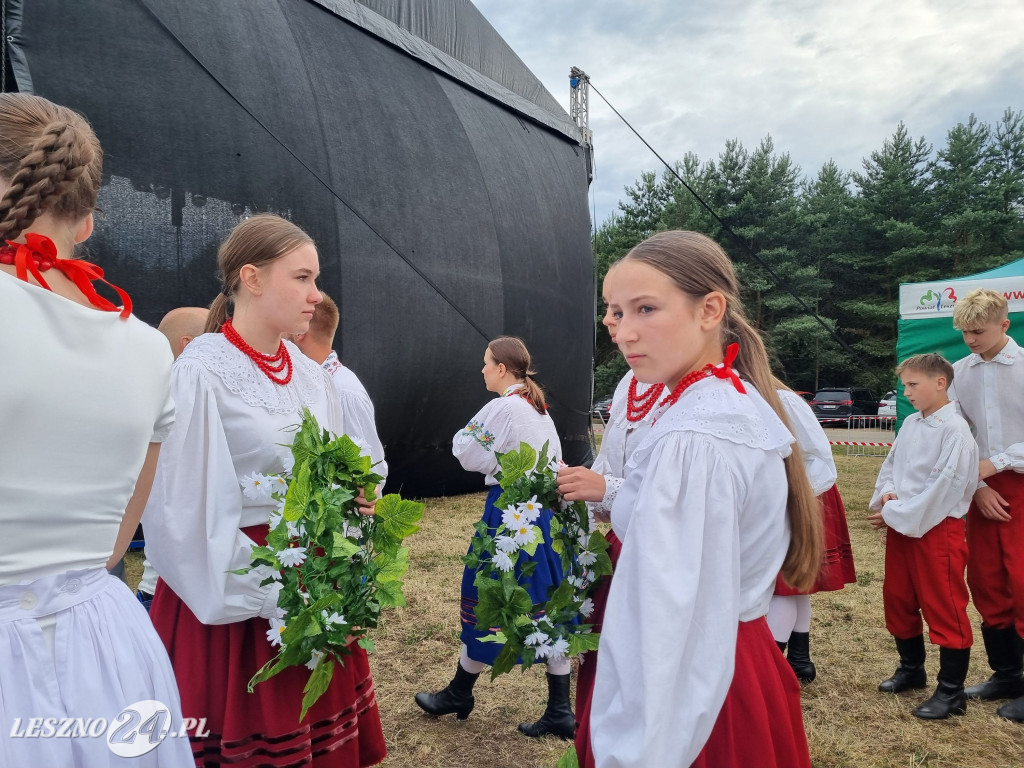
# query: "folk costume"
{"points": [[789, 615], [233, 418], [933, 470], [83, 394], [989, 395], [499, 427], [360, 423], [633, 409], [688, 672]]}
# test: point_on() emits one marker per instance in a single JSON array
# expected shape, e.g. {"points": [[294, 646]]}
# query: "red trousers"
{"points": [[926, 575], [995, 567]]}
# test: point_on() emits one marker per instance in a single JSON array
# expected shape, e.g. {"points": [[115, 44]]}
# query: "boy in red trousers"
{"points": [[990, 388], [922, 494]]}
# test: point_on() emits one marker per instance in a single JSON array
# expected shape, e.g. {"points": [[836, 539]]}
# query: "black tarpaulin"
{"points": [[444, 214]]}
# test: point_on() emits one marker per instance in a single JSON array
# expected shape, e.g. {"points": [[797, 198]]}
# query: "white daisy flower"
{"points": [[274, 633], [587, 608], [287, 460], [531, 510], [278, 484], [559, 649], [266, 572], [505, 544], [292, 556], [512, 517], [503, 562], [333, 618], [525, 535], [536, 638], [314, 659], [543, 650], [256, 487], [295, 531], [576, 581], [275, 518], [587, 558]]}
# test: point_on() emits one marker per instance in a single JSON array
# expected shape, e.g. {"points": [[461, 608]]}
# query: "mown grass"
{"points": [[849, 723]]}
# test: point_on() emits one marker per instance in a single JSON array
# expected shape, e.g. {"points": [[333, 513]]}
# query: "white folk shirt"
{"points": [[702, 516], [933, 470], [499, 427], [991, 398], [620, 439], [813, 442], [231, 421], [360, 423]]}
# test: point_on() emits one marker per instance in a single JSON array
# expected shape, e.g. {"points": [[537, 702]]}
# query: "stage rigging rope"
{"points": [[746, 247]]}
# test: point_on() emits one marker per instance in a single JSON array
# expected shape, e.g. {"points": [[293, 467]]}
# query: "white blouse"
{"points": [[82, 395], [702, 516], [933, 470], [360, 422], [989, 395], [499, 427], [813, 442], [620, 439], [231, 421]]}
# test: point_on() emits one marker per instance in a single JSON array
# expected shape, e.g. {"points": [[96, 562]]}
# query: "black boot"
{"points": [[799, 656], [949, 698], [910, 672], [1014, 710], [457, 697], [782, 647], [557, 719], [1004, 656]]}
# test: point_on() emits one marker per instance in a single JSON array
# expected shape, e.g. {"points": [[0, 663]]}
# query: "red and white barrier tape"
{"points": [[847, 442]]}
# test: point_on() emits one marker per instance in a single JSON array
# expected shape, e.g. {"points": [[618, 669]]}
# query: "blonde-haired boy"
{"points": [[921, 496], [990, 389]]}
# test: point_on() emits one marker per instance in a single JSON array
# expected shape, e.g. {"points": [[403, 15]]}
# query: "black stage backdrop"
{"points": [[444, 186]]}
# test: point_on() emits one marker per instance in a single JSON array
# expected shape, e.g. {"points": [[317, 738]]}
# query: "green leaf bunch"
{"points": [[354, 563]]}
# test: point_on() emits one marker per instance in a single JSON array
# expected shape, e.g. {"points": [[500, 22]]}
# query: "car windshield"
{"points": [[832, 396]]}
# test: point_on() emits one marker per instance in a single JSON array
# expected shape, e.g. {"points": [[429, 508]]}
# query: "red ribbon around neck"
{"points": [[37, 248]]}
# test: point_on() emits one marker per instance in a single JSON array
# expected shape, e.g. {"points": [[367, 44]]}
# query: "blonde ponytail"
{"points": [[511, 352]]}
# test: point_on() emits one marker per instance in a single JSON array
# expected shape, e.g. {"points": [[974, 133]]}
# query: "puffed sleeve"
{"points": [[194, 512], [954, 475], [360, 424], [817, 453], [669, 642], [490, 430]]}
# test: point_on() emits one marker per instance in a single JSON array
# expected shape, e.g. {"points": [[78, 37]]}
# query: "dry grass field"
{"points": [[849, 724]]}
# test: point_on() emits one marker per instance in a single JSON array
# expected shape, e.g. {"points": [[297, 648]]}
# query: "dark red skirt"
{"points": [[837, 568], [213, 665], [760, 723], [588, 669]]}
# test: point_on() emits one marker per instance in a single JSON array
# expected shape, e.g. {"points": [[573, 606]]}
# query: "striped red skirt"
{"points": [[837, 559], [213, 665]]}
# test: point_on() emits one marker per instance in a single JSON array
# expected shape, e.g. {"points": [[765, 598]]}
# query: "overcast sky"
{"points": [[828, 79]]}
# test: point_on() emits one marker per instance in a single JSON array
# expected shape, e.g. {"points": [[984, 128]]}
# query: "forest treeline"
{"points": [[843, 241]]}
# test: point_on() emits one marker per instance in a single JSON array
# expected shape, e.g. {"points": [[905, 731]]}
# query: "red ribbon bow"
{"points": [[39, 248], [725, 370]]}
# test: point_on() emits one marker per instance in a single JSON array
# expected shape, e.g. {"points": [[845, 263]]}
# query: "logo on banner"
{"points": [[940, 300]]}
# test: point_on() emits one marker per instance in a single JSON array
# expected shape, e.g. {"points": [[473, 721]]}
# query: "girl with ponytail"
{"points": [[85, 406], [517, 415], [239, 390], [715, 503]]}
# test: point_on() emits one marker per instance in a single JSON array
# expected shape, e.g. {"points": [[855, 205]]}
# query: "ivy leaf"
{"points": [[515, 464], [317, 685], [505, 661], [390, 594], [399, 517], [569, 759], [603, 565], [298, 495], [580, 642], [366, 644], [343, 546]]}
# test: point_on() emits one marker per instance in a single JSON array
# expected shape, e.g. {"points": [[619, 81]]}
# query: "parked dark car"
{"points": [[602, 408], [840, 403]]}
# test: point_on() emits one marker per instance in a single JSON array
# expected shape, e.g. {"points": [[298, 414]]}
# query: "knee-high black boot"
{"points": [[1002, 646], [457, 697], [949, 698], [910, 672], [799, 656], [557, 719]]}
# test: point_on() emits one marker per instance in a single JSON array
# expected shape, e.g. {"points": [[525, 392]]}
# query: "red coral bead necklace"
{"points": [[271, 365], [639, 406]]}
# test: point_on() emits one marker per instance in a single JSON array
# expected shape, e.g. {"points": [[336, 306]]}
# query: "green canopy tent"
{"points": [[926, 315]]}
